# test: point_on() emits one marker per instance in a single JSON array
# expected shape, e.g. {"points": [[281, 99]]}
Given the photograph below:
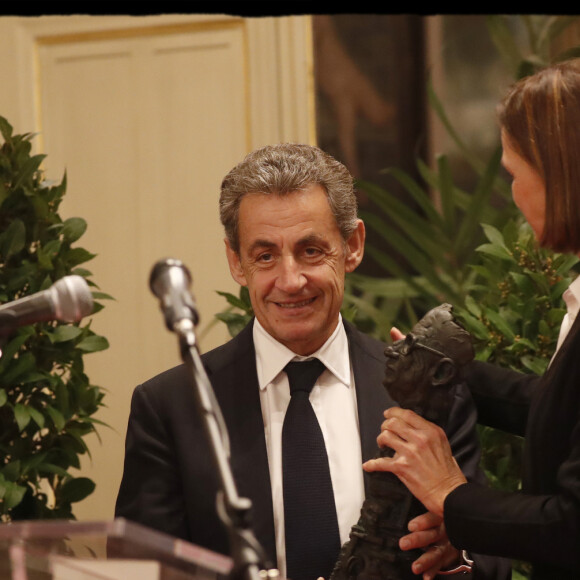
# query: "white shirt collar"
{"points": [[572, 298], [272, 356]]}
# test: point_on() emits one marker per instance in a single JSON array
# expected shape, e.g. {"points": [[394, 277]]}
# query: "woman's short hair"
{"points": [[282, 169], [541, 117]]}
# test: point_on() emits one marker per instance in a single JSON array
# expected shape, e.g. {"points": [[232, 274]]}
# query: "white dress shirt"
{"points": [[334, 401]]}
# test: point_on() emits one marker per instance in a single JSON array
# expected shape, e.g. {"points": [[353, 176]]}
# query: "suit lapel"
{"points": [[368, 365]]}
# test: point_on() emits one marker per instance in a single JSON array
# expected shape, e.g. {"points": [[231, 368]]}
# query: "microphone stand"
{"points": [[247, 554]]}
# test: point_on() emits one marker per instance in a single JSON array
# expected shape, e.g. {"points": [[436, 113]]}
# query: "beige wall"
{"points": [[146, 115]]}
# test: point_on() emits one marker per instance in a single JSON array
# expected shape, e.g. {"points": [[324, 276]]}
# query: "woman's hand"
{"points": [[428, 533], [423, 460]]}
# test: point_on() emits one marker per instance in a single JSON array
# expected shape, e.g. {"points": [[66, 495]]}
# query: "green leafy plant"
{"points": [[239, 312], [47, 402], [425, 254], [515, 307]]}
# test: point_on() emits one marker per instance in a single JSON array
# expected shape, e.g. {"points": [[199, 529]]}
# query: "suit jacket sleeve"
{"points": [[169, 481], [536, 528], [151, 491], [462, 434], [540, 524], [502, 396]]}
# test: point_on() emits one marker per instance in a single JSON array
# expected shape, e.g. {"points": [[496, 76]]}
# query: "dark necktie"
{"points": [[311, 525]]}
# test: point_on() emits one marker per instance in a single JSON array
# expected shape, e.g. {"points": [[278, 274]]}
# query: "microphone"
{"points": [[170, 281], [68, 299]]}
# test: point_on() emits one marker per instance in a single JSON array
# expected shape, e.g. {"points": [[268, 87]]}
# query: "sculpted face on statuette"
{"points": [[422, 368]]}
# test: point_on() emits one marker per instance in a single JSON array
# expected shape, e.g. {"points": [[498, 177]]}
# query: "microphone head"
{"points": [[170, 280], [72, 298], [169, 273]]}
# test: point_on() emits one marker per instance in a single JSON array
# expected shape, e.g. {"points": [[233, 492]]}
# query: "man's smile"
{"points": [[291, 305]]}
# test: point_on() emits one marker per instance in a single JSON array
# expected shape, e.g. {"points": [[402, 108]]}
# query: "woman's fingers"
{"points": [[396, 334], [423, 460]]}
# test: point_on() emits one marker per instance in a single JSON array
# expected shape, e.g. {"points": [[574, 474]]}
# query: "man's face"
{"points": [[293, 260]]}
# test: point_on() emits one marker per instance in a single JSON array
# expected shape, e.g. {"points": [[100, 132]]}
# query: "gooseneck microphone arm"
{"points": [[169, 281]]}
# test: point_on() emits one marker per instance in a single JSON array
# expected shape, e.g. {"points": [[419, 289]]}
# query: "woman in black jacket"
{"points": [[540, 132]]}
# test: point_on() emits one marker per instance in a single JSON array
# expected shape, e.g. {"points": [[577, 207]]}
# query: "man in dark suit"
{"points": [[292, 233]]}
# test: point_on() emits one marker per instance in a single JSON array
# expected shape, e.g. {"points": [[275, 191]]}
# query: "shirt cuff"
{"points": [[464, 566]]}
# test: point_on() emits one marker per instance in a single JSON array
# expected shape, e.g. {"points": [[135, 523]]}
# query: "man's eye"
{"points": [[312, 252], [264, 258]]}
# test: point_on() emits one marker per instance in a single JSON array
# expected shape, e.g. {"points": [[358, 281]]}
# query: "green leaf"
{"points": [[27, 172], [472, 306], [83, 272], [526, 343], [25, 363], [229, 317], [77, 489], [3, 397], [5, 129], [57, 418], [523, 282], [101, 296], [495, 250], [73, 229], [36, 416], [14, 238], [12, 470], [474, 326], [64, 333], [93, 344], [235, 322], [13, 494], [22, 416], [564, 263], [446, 194], [31, 463], [77, 256], [235, 301], [496, 319], [535, 365], [52, 468], [494, 235]]}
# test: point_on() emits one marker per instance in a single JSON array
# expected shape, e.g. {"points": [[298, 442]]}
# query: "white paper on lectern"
{"points": [[64, 568]]}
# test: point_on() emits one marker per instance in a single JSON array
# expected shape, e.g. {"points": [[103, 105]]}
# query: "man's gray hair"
{"points": [[280, 170]]}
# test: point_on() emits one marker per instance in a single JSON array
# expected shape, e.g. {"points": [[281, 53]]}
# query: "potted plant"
{"points": [[47, 402]]}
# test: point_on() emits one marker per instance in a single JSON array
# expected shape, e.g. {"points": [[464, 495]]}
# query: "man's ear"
{"points": [[235, 265], [355, 247]]}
